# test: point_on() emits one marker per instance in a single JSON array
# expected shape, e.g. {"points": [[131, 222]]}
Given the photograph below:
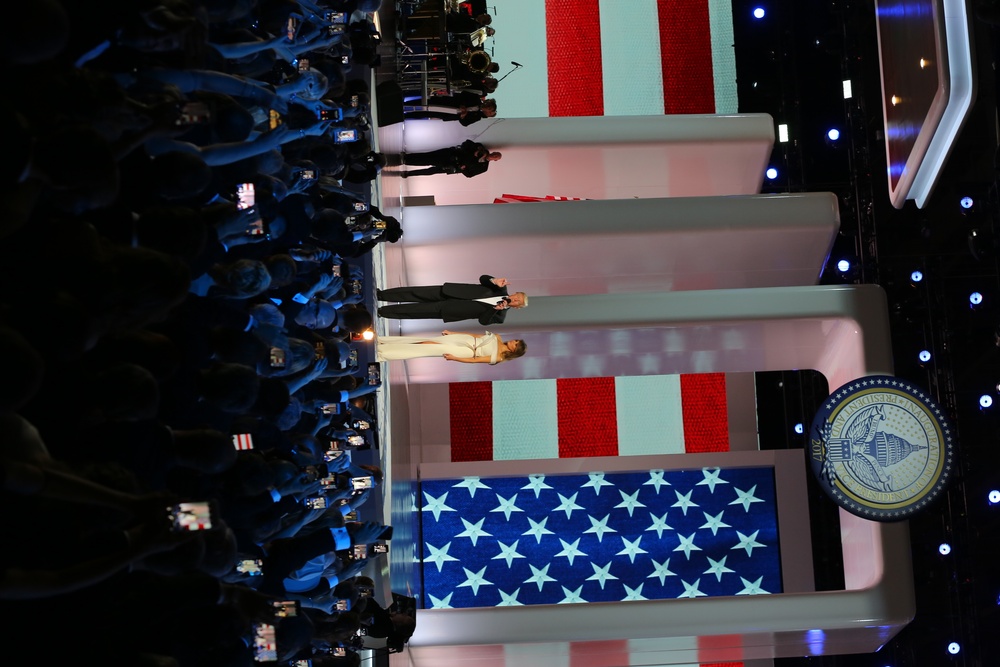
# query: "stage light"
{"points": [[975, 299], [783, 133], [916, 276], [799, 428], [895, 99], [848, 92], [966, 202], [924, 356], [771, 173], [843, 266], [985, 401], [944, 549], [758, 12], [368, 334], [994, 496], [925, 63], [954, 648], [833, 134]]}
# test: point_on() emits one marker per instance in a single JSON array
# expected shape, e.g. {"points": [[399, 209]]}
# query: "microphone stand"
{"points": [[517, 66]]}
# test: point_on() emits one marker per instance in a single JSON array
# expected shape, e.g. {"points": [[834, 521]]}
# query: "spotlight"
{"points": [[966, 203], [782, 133], [975, 299], [848, 91], [994, 497], [833, 134], [924, 356], [758, 12], [843, 266], [368, 334], [954, 648], [944, 549], [985, 401], [916, 276], [801, 429], [771, 173]]}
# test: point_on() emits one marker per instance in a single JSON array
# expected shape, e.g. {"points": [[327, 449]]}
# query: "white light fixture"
{"points": [[994, 497], [771, 173], [944, 549], [848, 92], [924, 356], [783, 133], [799, 428], [954, 648], [985, 401]]}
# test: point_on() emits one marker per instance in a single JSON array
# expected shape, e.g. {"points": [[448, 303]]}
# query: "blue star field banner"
{"points": [[506, 541]]}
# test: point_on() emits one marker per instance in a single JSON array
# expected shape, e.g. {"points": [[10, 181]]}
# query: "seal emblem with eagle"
{"points": [[881, 448]]}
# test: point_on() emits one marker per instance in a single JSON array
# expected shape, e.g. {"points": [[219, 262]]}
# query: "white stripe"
{"points": [[520, 26], [650, 416], [630, 51], [550, 654], [525, 420], [720, 23]]}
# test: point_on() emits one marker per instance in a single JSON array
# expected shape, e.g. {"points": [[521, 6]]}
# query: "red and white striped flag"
{"points": [[243, 441], [577, 417], [612, 58]]}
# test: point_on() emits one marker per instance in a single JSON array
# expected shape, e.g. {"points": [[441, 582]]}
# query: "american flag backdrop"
{"points": [[609, 57], [599, 537], [596, 416]]}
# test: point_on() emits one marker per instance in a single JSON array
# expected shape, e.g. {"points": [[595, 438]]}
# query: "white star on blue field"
{"points": [[599, 537]]}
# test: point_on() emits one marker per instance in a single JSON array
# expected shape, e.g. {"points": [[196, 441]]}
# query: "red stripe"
{"points": [[613, 653], [706, 415], [573, 37], [471, 405], [588, 417], [686, 56]]}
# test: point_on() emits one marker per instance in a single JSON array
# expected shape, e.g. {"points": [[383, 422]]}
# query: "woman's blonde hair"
{"points": [[519, 351]]}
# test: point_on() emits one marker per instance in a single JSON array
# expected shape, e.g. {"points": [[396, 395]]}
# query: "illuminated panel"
{"points": [[596, 537]]}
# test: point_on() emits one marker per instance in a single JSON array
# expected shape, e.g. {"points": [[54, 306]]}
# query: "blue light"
{"points": [[843, 266], [833, 134], [994, 497], [917, 276], [771, 173], [975, 298], [944, 549], [924, 356], [799, 428], [966, 202], [758, 12], [985, 401], [954, 648]]}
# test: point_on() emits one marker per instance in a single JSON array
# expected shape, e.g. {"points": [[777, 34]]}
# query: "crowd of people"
{"points": [[183, 414]]}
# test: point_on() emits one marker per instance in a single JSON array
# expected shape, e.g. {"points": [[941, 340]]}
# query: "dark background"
{"points": [[791, 65]]}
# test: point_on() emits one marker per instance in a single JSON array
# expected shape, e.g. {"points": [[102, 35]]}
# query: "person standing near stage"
{"points": [[469, 159], [487, 302]]}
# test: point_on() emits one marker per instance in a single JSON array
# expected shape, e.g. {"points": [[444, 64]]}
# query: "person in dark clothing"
{"points": [[469, 159]]}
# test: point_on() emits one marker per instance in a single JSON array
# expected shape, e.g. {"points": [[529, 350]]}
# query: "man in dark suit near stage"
{"points": [[470, 159], [487, 302]]}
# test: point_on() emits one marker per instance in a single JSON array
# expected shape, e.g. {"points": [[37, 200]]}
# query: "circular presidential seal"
{"points": [[881, 448]]}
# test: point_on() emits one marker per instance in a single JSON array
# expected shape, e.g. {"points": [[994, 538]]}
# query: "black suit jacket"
{"points": [[458, 302]]}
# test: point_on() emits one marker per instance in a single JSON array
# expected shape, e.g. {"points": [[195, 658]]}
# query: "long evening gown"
{"points": [[394, 348]]}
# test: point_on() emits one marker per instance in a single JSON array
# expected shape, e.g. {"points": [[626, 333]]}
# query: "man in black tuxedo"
{"points": [[470, 159], [487, 302]]}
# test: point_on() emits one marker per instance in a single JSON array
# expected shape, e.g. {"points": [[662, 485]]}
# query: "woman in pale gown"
{"points": [[468, 348]]}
